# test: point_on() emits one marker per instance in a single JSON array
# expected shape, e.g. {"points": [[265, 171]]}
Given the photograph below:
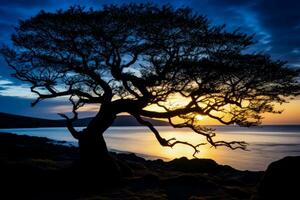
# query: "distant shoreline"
{"points": [[18, 121]]}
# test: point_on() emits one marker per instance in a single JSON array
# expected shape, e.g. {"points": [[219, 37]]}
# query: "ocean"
{"points": [[266, 143]]}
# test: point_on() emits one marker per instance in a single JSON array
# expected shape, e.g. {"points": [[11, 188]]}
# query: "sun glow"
{"points": [[199, 117]]}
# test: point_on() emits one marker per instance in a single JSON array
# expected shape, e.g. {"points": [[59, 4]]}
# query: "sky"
{"points": [[275, 23]]}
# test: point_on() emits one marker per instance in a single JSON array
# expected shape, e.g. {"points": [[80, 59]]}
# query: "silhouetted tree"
{"points": [[126, 58]]}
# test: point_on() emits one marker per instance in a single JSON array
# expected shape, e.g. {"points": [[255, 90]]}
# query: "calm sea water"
{"points": [[266, 144]]}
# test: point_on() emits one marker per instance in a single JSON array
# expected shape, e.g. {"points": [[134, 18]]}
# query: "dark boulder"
{"points": [[281, 180], [197, 165]]}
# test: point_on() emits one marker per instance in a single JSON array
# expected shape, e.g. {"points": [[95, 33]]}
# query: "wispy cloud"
{"points": [[276, 25], [8, 88]]}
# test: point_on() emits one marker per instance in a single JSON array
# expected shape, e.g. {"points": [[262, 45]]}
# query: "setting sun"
{"points": [[199, 117]]}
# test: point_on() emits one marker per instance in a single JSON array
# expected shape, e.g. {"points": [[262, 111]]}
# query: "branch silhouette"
{"points": [[129, 57]]}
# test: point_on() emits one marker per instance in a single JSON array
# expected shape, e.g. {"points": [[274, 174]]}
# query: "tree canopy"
{"points": [[129, 57]]}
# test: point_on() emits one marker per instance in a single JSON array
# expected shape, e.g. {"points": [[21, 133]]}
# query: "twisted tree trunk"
{"points": [[95, 159]]}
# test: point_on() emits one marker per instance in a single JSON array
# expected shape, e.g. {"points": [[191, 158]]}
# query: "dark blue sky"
{"points": [[276, 24]]}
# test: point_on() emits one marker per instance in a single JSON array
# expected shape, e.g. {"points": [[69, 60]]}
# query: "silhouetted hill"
{"points": [[17, 121]]}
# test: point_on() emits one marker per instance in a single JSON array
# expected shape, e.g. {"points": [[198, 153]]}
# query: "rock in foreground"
{"points": [[36, 168], [281, 180]]}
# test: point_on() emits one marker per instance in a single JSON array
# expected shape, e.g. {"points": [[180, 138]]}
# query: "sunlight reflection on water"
{"points": [[266, 144]]}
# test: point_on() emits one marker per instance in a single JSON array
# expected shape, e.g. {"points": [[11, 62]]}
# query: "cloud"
{"points": [[21, 106], [45, 109], [17, 99], [8, 88], [281, 19], [25, 4], [276, 25]]}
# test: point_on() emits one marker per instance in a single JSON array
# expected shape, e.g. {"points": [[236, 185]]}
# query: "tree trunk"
{"points": [[95, 160]]}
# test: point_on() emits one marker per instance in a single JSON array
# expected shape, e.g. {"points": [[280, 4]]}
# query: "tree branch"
{"points": [[209, 134], [164, 142], [69, 121]]}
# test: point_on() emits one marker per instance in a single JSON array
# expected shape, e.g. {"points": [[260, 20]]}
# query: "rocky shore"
{"points": [[38, 168]]}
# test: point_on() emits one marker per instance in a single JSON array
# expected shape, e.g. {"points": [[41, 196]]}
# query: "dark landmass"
{"points": [[17, 121], [39, 168]]}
